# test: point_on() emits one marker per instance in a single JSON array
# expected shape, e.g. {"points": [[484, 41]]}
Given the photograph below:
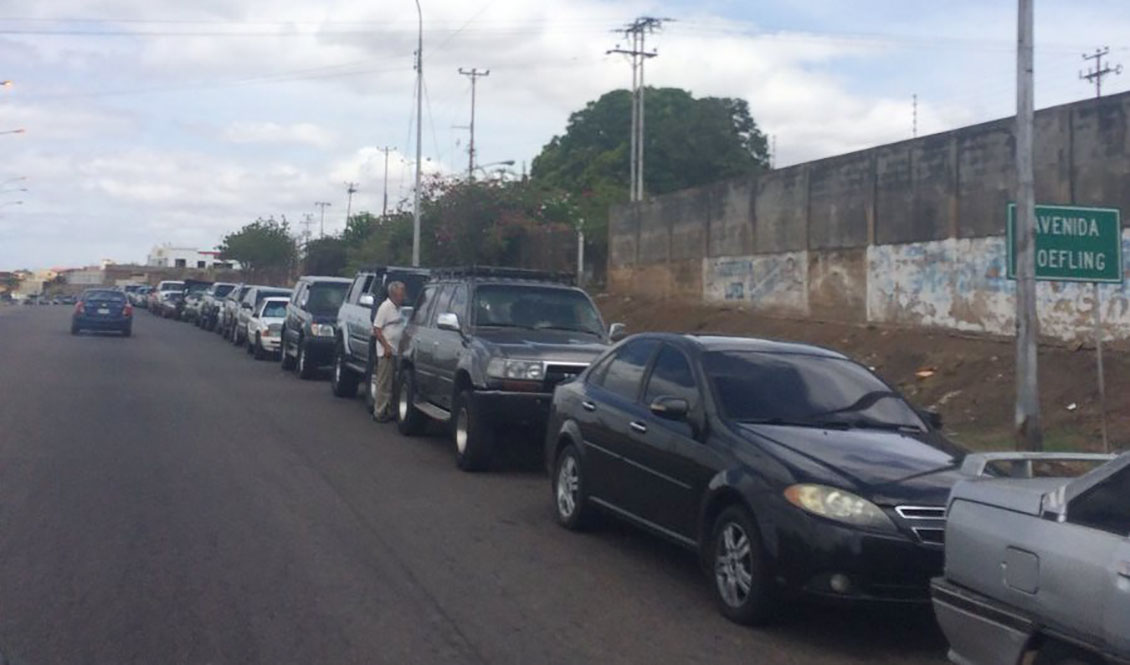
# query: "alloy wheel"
{"points": [[733, 565], [568, 481]]}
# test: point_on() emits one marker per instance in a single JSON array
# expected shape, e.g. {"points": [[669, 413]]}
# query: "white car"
{"points": [[264, 327]]}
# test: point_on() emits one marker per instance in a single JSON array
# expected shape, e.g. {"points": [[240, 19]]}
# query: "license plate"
{"points": [[103, 310]]}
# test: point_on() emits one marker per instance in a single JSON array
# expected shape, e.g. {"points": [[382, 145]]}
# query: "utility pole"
{"points": [[1099, 71], [914, 121], [773, 151], [384, 203], [322, 227], [473, 74], [307, 221], [636, 32], [1028, 434], [350, 190], [419, 134]]}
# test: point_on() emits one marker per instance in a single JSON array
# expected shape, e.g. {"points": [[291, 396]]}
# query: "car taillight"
{"points": [[127, 310], [79, 307]]}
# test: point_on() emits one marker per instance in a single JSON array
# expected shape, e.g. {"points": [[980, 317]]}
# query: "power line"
{"points": [[473, 74], [1099, 71]]}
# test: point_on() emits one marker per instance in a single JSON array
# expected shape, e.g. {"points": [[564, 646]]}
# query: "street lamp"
{"points": [[505, 162]]}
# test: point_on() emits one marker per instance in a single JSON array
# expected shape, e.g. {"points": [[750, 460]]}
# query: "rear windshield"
{"points": [[104, 296], [274, 308], [326, 298], [223, 290]]}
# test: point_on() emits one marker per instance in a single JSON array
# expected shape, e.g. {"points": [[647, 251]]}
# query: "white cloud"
{"points": [[273, 132]]}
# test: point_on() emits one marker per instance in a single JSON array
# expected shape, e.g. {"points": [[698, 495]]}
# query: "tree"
{"points": [[358, 227], [325, 256], [264, 248]]}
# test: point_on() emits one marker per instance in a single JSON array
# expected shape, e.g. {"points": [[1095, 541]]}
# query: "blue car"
{"points": [[103, 309]]}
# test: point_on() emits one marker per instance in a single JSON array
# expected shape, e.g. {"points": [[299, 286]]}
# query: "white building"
{"points": [[167, 256]]}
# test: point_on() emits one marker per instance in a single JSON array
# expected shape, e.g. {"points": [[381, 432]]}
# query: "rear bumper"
{"points": [[102, 322], [513, 409], [980, 630]]}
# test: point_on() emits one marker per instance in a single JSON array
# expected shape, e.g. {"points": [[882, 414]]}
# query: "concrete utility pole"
{"points": [[307, 221], [322, 226], [350, 190], [419, 134], [636, 32], [1028, 434], [914, 120], [1099, 71], [474, 75], [384, 203]]}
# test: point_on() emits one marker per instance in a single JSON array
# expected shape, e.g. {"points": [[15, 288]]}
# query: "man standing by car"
{"points": [[387, 327]]}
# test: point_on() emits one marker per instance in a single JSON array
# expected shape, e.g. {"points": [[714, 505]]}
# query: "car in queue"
{"points": [[210, 303], [310, 325], [229, 309], [790, 469], [166, 299], [264, 327], [355, 352], [250, 302], [485, 348], [194, 290], [103, 310], [140, 297], [1037, 564]]}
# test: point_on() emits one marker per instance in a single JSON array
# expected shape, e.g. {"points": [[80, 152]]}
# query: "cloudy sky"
{"points": [[163, 121]]}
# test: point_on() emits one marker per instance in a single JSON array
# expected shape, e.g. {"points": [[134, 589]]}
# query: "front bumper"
{"points": [[319, 349], [980, 630], [513, 409], [812, 553], [270, 343]]}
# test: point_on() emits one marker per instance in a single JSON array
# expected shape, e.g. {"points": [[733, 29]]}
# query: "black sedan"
{"points": [[103, 309], [790, 469]]}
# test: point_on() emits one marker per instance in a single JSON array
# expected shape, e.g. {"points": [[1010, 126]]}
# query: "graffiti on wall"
{"points": [[768, 282]]}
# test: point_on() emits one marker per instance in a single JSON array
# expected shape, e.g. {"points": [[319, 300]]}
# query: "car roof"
{"points": [[325, 278], [715, 342]]}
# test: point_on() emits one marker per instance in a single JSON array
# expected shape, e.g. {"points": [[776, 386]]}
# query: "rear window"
{"points": [[326, 297], [104, 296]]}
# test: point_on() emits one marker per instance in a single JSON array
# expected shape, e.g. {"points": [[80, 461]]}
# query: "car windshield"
{"points": [[223, 290], [805, 390], [274, 308], [326, 298], [104, 296], [536, 308]]}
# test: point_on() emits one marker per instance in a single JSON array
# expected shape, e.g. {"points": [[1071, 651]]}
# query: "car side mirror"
{"points": [[932, 418], [617, 332], [366, 300], [448, 321], [670, 408]]}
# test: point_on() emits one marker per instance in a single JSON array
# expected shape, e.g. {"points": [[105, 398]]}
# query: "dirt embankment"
{"points": [[969, 379]]}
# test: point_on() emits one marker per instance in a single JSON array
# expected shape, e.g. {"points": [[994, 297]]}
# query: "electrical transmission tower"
{"points": [[1096, 75], [474, 75], [350, 190], [636, 33]]}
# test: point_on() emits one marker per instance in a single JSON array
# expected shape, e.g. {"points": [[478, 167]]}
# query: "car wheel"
{"points": [[305, 368], [474, 438], [569, 491], [286, 360], [260, 352], [343, 382], [740, 580], [410, 421]]}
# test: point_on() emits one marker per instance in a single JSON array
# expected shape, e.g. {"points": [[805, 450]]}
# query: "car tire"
{"points": [[343, 382], [306, 370], [286, 361], [570, 496], [410, 421], [474, 437], [739, 574]]}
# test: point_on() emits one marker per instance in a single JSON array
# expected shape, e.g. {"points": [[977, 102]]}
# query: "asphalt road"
{"points": [[167, 499]]}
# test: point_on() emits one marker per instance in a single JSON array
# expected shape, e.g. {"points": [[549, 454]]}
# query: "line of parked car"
{"points": [[791, 470]]}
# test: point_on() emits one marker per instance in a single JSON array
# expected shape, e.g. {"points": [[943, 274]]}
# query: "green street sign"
{"points": [[1073, 244]]}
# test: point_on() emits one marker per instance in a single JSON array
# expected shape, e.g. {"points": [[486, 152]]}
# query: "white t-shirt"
{"points": [[391, 324]]}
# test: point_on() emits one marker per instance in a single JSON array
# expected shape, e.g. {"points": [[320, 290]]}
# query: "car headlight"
{"points": [[509, 368], [322, 330], [839, 505]]}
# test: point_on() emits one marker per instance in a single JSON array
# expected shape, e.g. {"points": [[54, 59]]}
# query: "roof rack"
{"points": [[504, 273]]}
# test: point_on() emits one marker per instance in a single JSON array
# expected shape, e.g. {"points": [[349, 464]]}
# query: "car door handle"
{"points": [[588, 406], [638, 427]]}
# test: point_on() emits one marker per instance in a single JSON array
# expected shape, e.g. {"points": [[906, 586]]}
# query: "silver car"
{"points": [[1037, 566]]}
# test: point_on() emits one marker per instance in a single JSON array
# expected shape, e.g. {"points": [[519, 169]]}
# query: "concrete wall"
{"points": [[909, 233]]}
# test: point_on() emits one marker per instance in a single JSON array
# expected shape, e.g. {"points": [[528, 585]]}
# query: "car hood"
{"points": [[888, 467], [560, 345]]}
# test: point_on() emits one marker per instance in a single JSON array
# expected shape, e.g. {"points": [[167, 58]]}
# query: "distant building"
{"points": [[167, 256]]}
